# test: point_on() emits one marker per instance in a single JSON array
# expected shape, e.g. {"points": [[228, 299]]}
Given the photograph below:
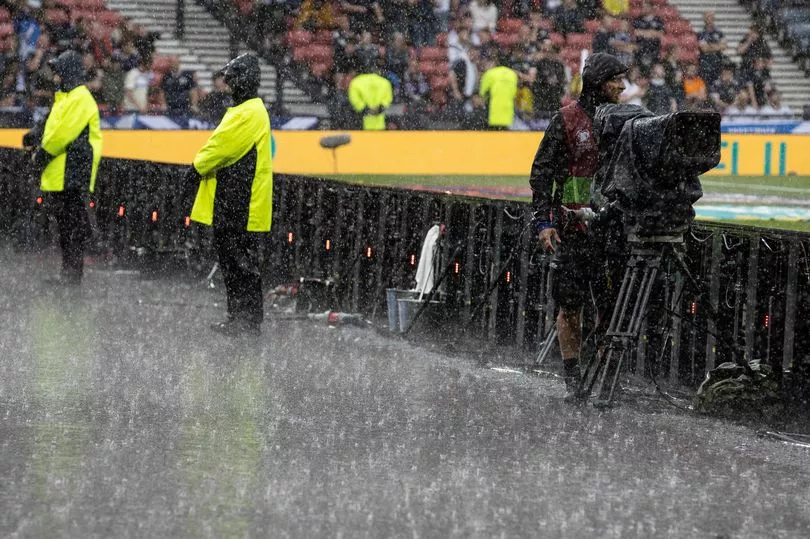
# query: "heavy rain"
{"points": [[383, 268]]}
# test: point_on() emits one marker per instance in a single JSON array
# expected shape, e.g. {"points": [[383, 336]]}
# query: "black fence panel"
{"points": [[746, 293]]}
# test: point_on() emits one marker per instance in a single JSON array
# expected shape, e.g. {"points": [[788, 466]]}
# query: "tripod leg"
{"points": [[545, 348]]}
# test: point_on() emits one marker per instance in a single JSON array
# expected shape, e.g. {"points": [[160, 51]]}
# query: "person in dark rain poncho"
{"points": [[235, 195], [68, 151], [561, 180]]}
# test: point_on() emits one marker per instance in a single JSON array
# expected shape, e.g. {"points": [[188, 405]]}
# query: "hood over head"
{"points": [[599, 68], [243, 75], [70, 68]]}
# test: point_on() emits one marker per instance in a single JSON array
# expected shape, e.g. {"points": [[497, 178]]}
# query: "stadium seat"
{"points": [[5, 16], [570, 56], [439, 82], [323, 37], [162, 64], [434, 68], [661, 3], [592, 26], [313, 54], [579, 41], [688, 56], [109, 18], [321, 69], [504, 40], [668, 13], [91, 5], [557, 39], [509, 26], [6, 30], [432, 54], [56, 17], [299, 38], [678, 27], [545, 24]]}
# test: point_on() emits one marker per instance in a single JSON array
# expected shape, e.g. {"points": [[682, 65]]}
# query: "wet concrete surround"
{"points": [[122, 416]]}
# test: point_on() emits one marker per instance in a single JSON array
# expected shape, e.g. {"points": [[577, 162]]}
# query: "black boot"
{"points": [[572, 378]]}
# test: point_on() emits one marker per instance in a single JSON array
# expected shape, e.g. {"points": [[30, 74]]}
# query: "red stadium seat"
{"points": [[580, 41], [56, 16], [509, 26], [557, 39], [323, 37], [5, 16], [91, 5], [439, 82], [678, 27], [109, 18], [545, 24], [433, 54], [668, 13], [434, 68], [313, 54], [162, 64], [69, 4], [660, 3], [592, 25], [688, 56], [441, 40], [6, 30], [299, 38], [504, 40], [321, 69]]}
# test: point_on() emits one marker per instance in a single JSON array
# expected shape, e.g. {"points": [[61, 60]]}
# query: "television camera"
{"points": [[648, 180]]}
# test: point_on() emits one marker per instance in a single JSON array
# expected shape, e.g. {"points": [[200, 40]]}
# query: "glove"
{"points": [[41, 158], [191, 175]]}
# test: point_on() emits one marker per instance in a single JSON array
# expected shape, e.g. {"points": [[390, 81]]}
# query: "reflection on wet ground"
{"points": [[121, 415]]}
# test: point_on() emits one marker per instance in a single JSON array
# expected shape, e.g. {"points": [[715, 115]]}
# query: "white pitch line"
{"points": [[755, 186]]}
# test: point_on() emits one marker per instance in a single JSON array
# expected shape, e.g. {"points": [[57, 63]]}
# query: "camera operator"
{"points": [[561, 177]]}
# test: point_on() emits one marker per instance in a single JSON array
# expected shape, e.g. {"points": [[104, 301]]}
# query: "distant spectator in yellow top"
{"points": [[616, 7], [498, 89]]}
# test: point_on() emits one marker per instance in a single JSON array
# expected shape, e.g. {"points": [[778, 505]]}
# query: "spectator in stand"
{"points": [[742, 110], [9, 95], [136, 87], [658, 97], [112, 85], [363, 14], [616, 8], [484, 15], [603, 36], [368, 52], [179, 90], [694, 89], [214, 105], [416, 95], [314, 15], [712, 43], [344, 45], [27, 27], [539, 26], [725, 89], [421, 23], [144, 42], [127, 56], [38, 74], [634, 90], [397, 57], [463, 73], [674, 73], [751, 47], [569, 19], [527, 46], [622, 45], [774, 107], [499, 87], [549, 82], [649, 29], [551, 7], [396, 16], [758, 82], [461, 23], [441, 13], [487, 45]]}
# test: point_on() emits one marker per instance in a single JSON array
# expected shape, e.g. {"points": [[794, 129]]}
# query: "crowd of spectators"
{"points": [[433, 52], [123, 72]]}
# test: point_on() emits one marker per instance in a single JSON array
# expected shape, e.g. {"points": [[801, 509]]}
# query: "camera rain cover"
{"points": [[649, 165]]}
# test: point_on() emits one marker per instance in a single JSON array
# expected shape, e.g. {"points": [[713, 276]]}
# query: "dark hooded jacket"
{"points": [[243, 76], [550, 165]]}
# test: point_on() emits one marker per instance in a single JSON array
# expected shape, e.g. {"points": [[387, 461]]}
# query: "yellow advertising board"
{"points": [[432, 152]]}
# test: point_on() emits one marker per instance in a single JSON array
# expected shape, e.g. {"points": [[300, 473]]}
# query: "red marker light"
{"points": [[290, 237], [328, 245], [767, 320], [508, 276], [187, 221], [693, 310], [39, 200], [457, 267], [154, 216], [413, 260], [121, 211], [92, 204], [369, 252]]}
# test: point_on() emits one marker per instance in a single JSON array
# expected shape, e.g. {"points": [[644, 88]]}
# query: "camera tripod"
{"points": [[641, 276]]}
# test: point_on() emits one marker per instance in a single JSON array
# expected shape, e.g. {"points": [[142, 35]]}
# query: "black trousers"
{"points": [[70, 211], [238, 253]]}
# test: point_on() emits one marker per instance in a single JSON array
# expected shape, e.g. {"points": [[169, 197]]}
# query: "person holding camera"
{"points": [[235, 195], [561, 178]]}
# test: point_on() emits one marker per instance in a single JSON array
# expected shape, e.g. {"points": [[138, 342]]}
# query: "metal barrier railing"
{"points": [[369, 239]]}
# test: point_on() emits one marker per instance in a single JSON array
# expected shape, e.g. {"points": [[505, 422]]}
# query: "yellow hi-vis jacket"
{"points": [[499, 87], [371, 91], [237, 170], [72, 135]]}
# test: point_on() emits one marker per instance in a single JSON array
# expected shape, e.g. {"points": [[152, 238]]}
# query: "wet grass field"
{"points": [[768, 201]]}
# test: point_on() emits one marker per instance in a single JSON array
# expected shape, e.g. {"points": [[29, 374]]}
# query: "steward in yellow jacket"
{"points": [[370, 94], [235, 173], [68, 153]]}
